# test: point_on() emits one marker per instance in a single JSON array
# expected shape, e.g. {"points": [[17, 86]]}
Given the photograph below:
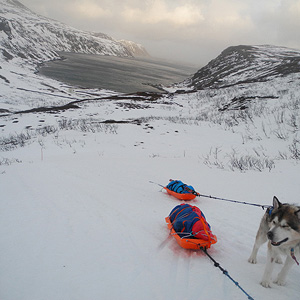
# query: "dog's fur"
{"points": [[281, 226]]}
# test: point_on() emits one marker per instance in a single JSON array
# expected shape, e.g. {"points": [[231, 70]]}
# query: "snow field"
{"points": [[82, 220]]}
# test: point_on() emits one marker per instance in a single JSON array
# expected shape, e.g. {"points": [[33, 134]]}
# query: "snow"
{"points": [[80, 219]]}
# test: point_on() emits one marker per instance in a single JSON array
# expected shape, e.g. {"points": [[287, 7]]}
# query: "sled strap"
{"points": [[178, 211], [216, 264], [204, 225]]}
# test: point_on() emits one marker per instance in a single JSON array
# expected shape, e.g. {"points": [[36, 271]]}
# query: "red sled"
{"points": [[188, 243], [180, 196]]}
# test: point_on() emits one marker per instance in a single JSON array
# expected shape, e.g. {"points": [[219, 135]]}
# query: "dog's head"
{"points": [[284, 223]]}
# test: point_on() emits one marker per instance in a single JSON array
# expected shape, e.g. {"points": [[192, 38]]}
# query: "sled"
{"points": [[188, 243], [180, 196]]}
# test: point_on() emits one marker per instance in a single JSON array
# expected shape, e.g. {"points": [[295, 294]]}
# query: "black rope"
{"points": [[225, 272], [235, 201], [222, 199], [156, 183]]}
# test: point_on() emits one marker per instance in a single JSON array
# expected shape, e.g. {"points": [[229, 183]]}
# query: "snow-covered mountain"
{"points": [[246, 64], [134, 48], [26, 35]]}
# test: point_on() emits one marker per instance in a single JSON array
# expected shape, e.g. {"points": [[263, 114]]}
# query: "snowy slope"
{"points": [[29, 36], [80, 220], [134, 48], [247, 64], [33, 37]]}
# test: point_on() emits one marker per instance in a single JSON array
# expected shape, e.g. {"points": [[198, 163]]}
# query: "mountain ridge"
{"points": [[246, 64], [135, 49], [27, 35]]}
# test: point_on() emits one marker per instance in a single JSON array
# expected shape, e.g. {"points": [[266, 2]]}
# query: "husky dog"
{"points": [[281, 226]]}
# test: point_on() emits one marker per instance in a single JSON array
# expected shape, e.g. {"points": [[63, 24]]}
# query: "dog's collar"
{"points": [[293, 256]]}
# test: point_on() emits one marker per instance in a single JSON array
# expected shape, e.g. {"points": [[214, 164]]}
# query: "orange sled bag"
{"points": [[189, 227], [180, 190]]}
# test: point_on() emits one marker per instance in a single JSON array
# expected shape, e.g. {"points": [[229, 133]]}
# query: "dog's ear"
{"points": [[276, 202]]}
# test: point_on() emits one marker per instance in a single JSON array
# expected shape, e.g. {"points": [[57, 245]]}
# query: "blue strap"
{"points": [[269, 210]]}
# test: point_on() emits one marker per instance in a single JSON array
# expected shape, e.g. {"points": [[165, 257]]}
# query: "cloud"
{"points": [[89, 9], [187, 20], [159, 11]]}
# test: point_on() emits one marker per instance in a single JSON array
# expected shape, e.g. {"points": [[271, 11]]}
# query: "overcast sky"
{"points": [[193, 31]]}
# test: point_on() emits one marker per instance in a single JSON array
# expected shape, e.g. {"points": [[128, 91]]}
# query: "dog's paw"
{"points": [[266, 283], [252, 260], [280, 281]]}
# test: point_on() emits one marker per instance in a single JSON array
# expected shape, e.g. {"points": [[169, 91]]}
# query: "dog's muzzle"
{"points": [[270, 235]]}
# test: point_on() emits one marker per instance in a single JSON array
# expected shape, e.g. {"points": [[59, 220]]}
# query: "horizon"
{"points": [[193, 32]]}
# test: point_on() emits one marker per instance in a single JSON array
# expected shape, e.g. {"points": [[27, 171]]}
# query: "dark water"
{"points": [[127, 75]]}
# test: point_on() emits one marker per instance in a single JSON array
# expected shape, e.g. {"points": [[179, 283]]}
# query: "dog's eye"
{"points": [[285, 226], [274, 222]]}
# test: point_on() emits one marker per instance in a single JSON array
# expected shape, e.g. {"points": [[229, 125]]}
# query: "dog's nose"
{"points": [[270, 235]]}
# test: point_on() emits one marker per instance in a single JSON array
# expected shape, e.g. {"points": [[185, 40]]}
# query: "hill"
{"points": [[246, 64], [135, 49], [27, 35]]}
